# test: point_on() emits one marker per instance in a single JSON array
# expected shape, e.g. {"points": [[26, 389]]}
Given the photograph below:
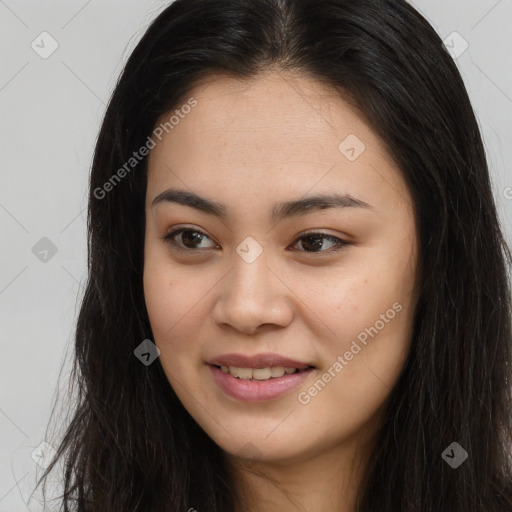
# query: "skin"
{"points": [[250, 144]]}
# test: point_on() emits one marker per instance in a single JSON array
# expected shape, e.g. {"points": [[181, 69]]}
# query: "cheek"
{"points": [[158, 298], [171, 295], [164, 312], [175, 302], [369, 315], [166, 304]]}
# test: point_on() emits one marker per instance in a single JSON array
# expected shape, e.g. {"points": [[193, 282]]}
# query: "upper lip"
{"points": [[256, 361]]}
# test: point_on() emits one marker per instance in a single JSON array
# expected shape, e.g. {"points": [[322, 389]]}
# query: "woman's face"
{"points": [[273, 270]]}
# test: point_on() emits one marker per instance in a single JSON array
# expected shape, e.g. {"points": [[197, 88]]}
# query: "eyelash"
{"points": [[340, 243]]}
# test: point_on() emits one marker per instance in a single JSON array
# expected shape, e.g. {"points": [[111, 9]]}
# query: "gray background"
{"points": [[50, 112]]}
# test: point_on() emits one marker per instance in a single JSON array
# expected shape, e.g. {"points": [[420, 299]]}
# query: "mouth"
{"points": [[258, 384]]}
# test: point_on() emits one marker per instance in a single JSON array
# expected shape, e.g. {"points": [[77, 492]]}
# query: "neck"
{"points": [[327, 480]]}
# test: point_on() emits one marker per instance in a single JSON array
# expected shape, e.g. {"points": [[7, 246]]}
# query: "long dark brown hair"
{"points": [[130, 445]]}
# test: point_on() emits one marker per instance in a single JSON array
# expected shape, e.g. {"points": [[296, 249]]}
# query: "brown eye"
{"points": [[190, 239], [313, 243]]}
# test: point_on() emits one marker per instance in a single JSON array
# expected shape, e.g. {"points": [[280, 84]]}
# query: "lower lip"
{"points": [[257, 390]]}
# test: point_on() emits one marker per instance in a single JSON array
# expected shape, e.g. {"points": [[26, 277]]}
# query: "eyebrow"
{"points": [[280, 211]]}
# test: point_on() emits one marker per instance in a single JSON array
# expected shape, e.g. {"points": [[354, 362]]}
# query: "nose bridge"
{"points": [[250, 276], [252, 295]]}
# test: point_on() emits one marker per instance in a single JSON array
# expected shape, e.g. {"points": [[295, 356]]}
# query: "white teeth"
{"points": [[262, 373], [242, 373], [277, 371], [258, 373]]}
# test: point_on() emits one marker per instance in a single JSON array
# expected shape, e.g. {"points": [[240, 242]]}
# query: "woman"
{"points": [[225, 359]]}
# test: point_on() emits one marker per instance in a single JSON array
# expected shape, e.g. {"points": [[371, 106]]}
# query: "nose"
{"points": [[253, 296]]}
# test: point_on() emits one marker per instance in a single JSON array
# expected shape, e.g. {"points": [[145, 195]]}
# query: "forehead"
{"points": [[276, 133], [296, 109]]}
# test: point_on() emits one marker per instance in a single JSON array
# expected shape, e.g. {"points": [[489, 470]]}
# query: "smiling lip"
{"points": [[256, 361], [257, 390]]}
